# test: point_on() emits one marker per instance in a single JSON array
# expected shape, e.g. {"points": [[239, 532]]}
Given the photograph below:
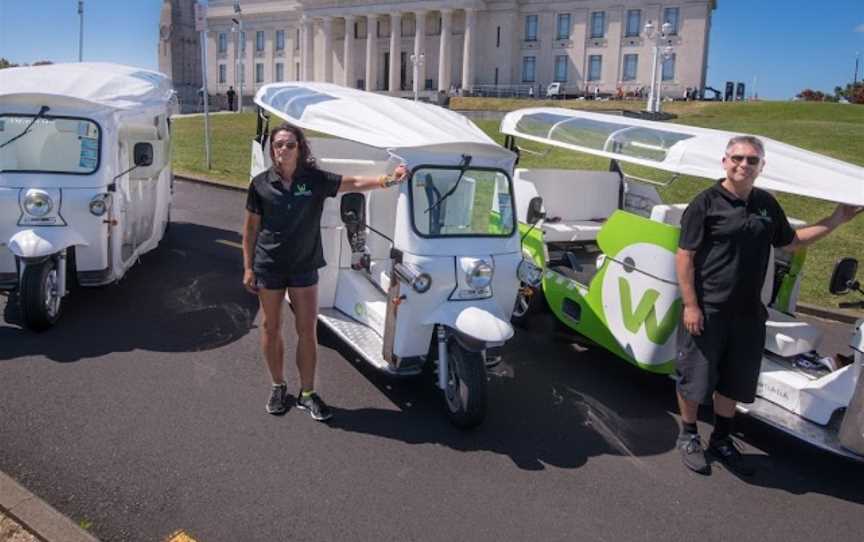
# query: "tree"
{"points": [[42, 63], [4, 63]]}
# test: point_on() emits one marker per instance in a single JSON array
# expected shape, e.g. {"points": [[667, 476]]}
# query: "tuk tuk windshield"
{"points": [[49, 145], [448, 202]]}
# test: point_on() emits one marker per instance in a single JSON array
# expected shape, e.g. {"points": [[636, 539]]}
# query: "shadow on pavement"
{"points": [[184, 296], [548, 405]]}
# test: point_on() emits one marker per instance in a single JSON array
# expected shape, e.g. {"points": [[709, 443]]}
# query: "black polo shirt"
{"points": [[289, 241], [732, 240]]}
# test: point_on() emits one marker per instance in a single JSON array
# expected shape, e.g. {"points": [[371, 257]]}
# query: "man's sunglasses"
{"points": [[290, 145], [751, 160]]}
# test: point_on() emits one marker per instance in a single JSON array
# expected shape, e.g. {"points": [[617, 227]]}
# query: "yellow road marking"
{"points": [[229, 243], [180, 536]]}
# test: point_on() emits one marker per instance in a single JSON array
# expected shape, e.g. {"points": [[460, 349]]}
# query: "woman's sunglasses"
{"points": [[751, 160], [290, 145]]}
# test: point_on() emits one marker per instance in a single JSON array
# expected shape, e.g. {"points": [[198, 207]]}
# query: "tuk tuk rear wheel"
{"points": [[40, 299], [466, 386]]}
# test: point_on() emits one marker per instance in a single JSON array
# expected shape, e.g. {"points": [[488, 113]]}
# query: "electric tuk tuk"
{"points": [[428, 270], [607, 245], [85, 178]]}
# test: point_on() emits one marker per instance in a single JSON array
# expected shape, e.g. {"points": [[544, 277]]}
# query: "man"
{"points": [[231, 95], [726, 236]]}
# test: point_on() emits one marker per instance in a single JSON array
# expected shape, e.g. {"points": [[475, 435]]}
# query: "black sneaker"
{"points": [[692, 453], [726, 452], [277, 403], [316, 406]]}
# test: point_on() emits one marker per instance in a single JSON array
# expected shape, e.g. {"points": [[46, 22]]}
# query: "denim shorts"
{"points": [[279, 281]]}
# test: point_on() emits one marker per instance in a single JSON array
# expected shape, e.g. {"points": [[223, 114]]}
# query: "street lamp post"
{"points": [[417, 61], [654, 94], [238, 76], [81, 31]]}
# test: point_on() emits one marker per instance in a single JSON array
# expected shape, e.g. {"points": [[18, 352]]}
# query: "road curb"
{"points": [[37, 516], [835, 315], [202, 180]]}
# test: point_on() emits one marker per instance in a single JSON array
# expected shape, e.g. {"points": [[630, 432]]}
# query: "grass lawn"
{"points": [[832, 129]]}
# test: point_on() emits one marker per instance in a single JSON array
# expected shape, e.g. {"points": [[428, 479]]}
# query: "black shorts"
{"points": [[725, 358], [279, 281]]}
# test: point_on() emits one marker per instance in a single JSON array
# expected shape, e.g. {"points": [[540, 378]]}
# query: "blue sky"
{"points": [[788, 45]]}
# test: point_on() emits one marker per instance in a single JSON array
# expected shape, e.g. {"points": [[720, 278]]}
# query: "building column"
{"points": [[307, 65], [348, 56], [467, 51], [444, 50], [371, 50], [395, 51], [327, 25], [420, 47]]}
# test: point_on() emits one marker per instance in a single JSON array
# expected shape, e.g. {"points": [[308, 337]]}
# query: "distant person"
{"points": [[727, 233], [231, 96], [282, 252], [531, 91]]}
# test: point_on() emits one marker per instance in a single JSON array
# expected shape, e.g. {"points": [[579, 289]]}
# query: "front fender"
{"points": [[481, 320], [43, 242]]}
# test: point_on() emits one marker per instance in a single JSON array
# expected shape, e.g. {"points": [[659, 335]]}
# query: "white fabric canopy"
{"points": [[686, 150], [373, 119], [109, 85]]}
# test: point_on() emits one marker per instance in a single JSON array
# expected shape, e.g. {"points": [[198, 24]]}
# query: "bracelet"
{"points": [[383, 180]]}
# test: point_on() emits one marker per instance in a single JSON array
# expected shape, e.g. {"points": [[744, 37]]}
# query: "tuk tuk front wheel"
{"points": [[465, 394], [40, 296]]}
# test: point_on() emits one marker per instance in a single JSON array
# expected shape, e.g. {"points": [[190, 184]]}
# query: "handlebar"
{"points": [[410, 275]]}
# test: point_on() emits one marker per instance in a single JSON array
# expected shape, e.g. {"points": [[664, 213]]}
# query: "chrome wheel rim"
{"points": [[50, 292]]}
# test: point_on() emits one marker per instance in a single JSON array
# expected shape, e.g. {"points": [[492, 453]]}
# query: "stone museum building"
{"points": [[477, 46]]}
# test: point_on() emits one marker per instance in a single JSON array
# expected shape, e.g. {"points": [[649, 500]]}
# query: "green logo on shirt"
{"points": [[302, 190]]}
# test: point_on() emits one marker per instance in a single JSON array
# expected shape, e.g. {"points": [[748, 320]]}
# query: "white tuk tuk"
{"points": [[85, 178], [425, 271], [607, 245]]}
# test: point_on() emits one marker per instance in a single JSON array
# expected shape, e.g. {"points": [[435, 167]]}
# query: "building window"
{"points": [[496, 76], [631, 63], [634, 23], [529, 68], [563, 27], [259, 41], [531, 28], [434, 29], [595, 67], [561, 69], [296, 71], [280, 72], [223, 42], [242, 73], [378, 29], [669, 67], [409, 27], [670, 15], [297, 41], [598, 24], [259, 73], [223, 73], [243, 41], [280, 40], [498, 38]]}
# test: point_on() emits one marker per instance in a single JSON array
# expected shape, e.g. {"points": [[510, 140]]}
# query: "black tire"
{"points": [[524, 309], [465, 396], [40, 305]]}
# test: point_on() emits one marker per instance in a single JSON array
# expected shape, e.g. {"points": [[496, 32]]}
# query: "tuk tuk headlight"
{"points": [[529, 273], [37, 203], [479, 275], [99, 204]]}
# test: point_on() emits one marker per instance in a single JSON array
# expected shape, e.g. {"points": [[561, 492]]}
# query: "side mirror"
{"points": [[353, 209], [142, 154], [843, 277], [535, 210]]}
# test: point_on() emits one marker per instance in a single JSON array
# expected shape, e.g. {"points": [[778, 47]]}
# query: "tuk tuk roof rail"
{"points": [[113, 86], [385, 122], [686, 150]]}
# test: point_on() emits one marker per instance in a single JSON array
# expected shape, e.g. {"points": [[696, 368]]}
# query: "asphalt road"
{"points": [[142, 413]]}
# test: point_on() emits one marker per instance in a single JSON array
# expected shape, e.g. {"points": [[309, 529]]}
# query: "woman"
{"points": [[282, 251]]}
